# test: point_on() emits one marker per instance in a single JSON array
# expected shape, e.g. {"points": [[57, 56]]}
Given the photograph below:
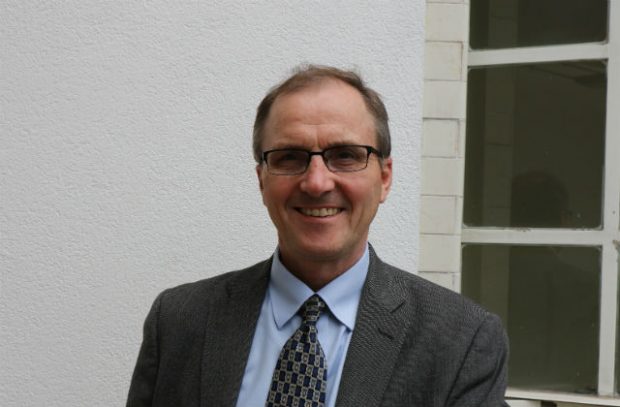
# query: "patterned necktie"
{"points": [[299, 378]]}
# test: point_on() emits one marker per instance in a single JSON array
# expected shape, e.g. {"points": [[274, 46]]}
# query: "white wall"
{"points": [[125, 163]]}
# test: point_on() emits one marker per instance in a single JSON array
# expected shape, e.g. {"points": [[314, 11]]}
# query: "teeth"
{"points": [[322, 212]]}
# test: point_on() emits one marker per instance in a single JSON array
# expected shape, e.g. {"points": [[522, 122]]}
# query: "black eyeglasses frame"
{"points": [[369, 150]]}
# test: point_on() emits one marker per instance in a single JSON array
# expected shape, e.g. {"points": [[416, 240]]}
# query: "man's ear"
{"points": [[259, 171], [386, 178]]}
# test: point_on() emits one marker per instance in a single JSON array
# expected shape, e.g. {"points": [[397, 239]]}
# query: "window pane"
{"points": [[523, 23], [535, 145], [548, 298]]}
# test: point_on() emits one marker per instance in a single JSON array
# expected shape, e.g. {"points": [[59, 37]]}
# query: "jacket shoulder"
{"points": [[209, 289], [453, 352], [434, 302]]}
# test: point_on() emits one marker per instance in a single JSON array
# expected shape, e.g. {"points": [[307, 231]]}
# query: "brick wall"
{"points": [[445, 81]]}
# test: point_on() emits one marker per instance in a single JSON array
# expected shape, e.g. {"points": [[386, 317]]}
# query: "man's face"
{"points": [[321, 215]]}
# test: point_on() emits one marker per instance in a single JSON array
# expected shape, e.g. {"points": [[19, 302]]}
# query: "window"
{"points": [[541, 224]]}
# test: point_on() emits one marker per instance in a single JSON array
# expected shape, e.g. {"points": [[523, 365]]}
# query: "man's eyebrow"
{"points": [[287, 146], [343, 143], [300, 146]]}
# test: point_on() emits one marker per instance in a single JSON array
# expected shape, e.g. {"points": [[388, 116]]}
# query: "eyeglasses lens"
{"points": [[337, 159]]}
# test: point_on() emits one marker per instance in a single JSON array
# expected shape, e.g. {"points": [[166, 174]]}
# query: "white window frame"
{"points": [[607, 237]]}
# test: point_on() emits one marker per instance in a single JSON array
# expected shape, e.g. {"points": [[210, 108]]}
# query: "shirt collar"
{"points": [[342, 295]]}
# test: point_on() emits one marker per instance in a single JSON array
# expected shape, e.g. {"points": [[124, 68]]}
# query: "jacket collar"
{"points": [[228, 334], [377, 339]]}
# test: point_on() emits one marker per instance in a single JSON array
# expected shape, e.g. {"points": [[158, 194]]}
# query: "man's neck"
{"points": [[318, 272]]}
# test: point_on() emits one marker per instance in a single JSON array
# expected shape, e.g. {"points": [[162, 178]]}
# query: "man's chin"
{"points": [[317, 251]]}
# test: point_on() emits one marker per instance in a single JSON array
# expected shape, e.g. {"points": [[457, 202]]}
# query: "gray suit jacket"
{"points": [[414, 344]]}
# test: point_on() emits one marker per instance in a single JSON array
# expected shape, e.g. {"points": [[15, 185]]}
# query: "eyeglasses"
{"points": [[295, 161]]}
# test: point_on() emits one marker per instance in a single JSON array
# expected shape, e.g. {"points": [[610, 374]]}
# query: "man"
{"points": [[368, 334]]}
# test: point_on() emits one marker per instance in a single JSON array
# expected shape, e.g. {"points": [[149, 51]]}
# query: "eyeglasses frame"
{"points": [[369, 150]]}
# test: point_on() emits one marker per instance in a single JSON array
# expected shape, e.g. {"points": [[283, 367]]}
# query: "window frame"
{"points": [[607, 237]]}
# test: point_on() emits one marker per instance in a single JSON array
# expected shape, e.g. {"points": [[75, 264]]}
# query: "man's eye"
{"points": [[287, 157], [347, 154], [284, 157]]}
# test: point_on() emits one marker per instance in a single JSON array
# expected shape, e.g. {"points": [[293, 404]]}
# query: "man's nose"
{"points": [[317, 179]]}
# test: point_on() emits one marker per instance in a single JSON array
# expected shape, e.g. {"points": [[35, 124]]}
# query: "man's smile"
{"points": [[320, 212]]}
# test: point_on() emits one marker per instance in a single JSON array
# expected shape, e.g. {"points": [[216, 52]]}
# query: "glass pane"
{"points": [[548, 298], [523, 23], [535, 145]]}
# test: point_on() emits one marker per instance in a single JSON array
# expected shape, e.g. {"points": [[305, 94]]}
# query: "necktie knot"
{"points": [[311, 310]]}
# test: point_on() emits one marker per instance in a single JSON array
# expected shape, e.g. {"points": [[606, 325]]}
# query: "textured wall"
{"points": [[125, 163]]}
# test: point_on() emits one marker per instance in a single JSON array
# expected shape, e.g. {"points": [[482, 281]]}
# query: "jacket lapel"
{"points": [[228, 336], [378, 336]]}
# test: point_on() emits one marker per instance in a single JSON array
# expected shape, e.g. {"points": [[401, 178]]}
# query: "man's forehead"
{"points": [[319, 98], [319, 115], [333, 109]]}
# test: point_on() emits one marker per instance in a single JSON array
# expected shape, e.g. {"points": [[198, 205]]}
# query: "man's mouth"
{"points": [[320, 212]]}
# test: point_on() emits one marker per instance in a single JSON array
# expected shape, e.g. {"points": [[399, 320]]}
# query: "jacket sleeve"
{"points": [[482, 378], [144, 378]]}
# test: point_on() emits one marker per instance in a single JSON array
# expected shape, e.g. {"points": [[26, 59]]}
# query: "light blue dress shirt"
{"points": [[278, 320]]}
